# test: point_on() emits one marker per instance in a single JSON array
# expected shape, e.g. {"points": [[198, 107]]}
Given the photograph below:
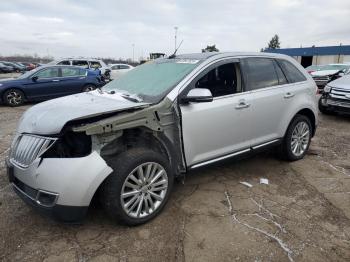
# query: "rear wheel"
{"points": [[139, 186], [89, 88], [13, 97], [297, 139]]}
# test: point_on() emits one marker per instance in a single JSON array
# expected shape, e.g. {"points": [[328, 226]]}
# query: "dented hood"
{"points": [[49, 117]]}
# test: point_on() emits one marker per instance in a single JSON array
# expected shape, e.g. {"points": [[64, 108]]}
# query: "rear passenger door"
{"points": [[265, 87], [72, 80]]}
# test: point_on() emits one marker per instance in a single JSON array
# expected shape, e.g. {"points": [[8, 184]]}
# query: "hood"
{"points": [[324, 72], [48, 118], [342, 82], [5, 80]]}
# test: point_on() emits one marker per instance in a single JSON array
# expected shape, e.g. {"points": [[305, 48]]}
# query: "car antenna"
{"points": [[174, 55]]}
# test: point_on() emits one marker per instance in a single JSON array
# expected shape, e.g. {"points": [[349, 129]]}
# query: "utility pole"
{"points": [[133, 52], [175, 37]]}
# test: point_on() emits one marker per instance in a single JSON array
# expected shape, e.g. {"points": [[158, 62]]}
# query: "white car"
{"points": [[119, 69], [87, 63]]}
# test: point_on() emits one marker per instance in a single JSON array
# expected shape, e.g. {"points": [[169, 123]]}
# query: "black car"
{"points": [[5, 69]]}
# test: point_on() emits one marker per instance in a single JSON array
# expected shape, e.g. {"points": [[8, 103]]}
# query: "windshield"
{"points": [[153, 80], [335, 67]]}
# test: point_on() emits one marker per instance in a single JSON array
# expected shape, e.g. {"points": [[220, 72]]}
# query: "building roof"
{"points": [[311, 51]]}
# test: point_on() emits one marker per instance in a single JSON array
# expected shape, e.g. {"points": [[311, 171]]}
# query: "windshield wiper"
{"points": [[133, 98]]}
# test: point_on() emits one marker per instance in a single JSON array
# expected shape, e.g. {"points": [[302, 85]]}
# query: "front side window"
{"points": [[48, 73], [81, 63], [259, 73], [153, 80], [71, 71], [292, 73], [115, 67], [221, 80], [95, 64]]}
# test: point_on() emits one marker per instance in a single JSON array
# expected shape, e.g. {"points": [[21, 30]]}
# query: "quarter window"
{"points": [[259, 73], [292, 73], [48, 73], [81, 63]]}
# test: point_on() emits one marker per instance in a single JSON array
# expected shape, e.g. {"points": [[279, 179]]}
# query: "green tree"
{"points": [[274, 42], [210, 48]]}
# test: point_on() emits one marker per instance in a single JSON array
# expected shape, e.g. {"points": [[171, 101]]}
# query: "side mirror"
{"points": [[35, 78], [198, 95]]}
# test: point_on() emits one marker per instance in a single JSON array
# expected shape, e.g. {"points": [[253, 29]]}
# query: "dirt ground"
{"points": [[303, 214]]}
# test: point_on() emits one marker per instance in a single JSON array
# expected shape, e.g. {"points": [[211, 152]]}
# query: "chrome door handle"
{"points": [[242, 105], [55, 80], [288, 95]]}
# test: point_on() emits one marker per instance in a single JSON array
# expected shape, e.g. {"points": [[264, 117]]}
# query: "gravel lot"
{"points": [[302, 215]]}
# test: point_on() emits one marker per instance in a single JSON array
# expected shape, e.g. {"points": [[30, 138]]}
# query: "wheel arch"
{"points": [[12, 87], [311, 116]]}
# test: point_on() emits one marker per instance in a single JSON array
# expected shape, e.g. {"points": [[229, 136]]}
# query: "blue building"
{"points": [[317, 55]]}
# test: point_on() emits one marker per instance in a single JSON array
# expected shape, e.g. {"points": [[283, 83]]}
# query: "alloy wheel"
{"points": [[300, 138], [144, 190], [14, 98]]}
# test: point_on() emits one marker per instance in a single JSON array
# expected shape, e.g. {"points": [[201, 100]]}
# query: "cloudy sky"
{"points": [[108, 28]]}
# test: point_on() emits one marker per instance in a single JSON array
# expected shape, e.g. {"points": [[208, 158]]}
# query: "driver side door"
{"points": [[216, 130]]}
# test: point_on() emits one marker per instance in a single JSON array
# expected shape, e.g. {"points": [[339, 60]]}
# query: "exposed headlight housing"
{"points": [[327, 89]]}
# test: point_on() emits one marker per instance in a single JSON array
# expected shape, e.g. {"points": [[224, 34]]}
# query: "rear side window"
{"points": [[291, 72], [69, 71], [81, 63], [65, 62], [282, 80], [259, 73]]}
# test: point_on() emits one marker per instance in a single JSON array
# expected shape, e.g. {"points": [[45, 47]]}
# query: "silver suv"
{"points": [[124, 144]]}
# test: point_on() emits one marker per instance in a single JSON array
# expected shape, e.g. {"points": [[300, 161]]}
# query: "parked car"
{"points": [[22, 67], [329, 73], [336, 96], [313, 68], [15, 67], [48, 82], [86, 63], [125, 143], [119, 69], [5, 69], [29, 66]]}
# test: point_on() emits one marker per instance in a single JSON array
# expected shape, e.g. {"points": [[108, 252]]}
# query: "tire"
{"points": [[294, 140], [13, 97], [323, 109], [89, 87], [126, 165]]}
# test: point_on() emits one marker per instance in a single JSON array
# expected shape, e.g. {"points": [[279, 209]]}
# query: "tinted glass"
{"points": [[47, 73], [70, 71], [259, 73], [116, 67], [282, 80], [291, 72], [81, 63], [64, 63]]}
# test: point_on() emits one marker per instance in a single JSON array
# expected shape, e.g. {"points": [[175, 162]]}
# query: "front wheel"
{"points": [[297, 139], [139, 186], [13, 97]]}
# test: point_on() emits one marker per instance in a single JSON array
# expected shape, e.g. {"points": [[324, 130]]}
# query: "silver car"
{"points": [[126, 143]]}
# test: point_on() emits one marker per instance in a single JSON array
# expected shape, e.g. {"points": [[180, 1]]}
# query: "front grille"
{"points": [[340, 93], [27, 148]]}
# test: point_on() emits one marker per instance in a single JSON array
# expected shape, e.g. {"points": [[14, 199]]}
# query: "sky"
{"points": [[111, 28]]}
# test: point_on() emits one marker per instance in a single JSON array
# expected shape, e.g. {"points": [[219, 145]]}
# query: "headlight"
{"points": [[327, 89], [0, 84]]}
